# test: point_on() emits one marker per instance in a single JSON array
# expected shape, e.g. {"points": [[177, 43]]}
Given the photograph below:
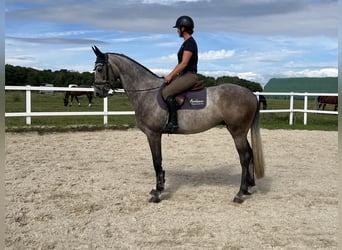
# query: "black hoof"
{"points": [[155, 196], [238, 199], [247, 193], [154, 199]]}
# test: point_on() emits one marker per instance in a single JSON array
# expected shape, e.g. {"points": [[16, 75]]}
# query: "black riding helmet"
{"points": [[185, 21]]}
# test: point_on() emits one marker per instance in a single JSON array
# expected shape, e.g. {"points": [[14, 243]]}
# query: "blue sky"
{"points": [[253, 39]]}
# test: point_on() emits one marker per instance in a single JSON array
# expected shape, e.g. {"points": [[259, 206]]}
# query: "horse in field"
{"points": [[322, 101], [231, 105], [74, 94]]}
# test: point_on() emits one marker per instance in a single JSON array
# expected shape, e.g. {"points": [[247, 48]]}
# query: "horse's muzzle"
{"points": [[102, 89]]}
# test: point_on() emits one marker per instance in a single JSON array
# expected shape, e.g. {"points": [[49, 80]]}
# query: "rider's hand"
{"points": [[167, 79]]}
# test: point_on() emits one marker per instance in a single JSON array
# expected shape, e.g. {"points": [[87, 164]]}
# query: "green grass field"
{"points": [[15, 102]]}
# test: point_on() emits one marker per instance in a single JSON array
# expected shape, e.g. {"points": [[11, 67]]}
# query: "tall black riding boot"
{"points": [[172, 124]]}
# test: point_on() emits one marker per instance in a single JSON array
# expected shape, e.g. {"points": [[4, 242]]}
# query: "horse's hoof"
{"points": [[238, 199], [154, 199], [155, 196]]}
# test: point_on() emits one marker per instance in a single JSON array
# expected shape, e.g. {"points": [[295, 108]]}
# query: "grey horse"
{"points": [[228, 104]]}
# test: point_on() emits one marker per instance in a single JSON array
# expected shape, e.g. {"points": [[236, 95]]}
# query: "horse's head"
{"points": [[104, 74]]}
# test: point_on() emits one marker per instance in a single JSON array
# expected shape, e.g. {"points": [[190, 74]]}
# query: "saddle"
{"points": [[180, 98], [194, 98]]}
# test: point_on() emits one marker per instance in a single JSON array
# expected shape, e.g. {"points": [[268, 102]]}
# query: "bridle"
{"points": [[103, 62]]}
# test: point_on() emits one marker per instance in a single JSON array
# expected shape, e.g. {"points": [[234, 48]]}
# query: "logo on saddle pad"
{"points": [[189, 100], [195, 102]]}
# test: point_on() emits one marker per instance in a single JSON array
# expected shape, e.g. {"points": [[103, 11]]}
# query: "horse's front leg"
{"points": [[154, 140], [89, 100], [71, 100]]}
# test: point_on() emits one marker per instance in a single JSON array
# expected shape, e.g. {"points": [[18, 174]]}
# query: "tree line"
{"points": [[19, 76]]}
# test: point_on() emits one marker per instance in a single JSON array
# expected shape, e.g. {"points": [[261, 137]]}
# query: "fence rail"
{"points": [[105, 113]]}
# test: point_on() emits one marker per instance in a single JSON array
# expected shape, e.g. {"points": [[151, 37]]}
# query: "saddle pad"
{"points": [[193, 100]]}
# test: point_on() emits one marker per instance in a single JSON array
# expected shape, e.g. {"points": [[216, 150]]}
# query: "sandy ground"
{"points": [[89, 190]]}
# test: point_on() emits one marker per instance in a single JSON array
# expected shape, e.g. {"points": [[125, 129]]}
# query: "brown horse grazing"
{"points": [[232, 105], [322, 101], [75, 94]]}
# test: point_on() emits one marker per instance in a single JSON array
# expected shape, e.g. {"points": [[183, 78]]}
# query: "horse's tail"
{"points": [[258, 156]]}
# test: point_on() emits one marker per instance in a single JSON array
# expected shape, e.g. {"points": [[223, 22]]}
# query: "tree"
{"points": [[208, 80], [16, 75], [253, 86]]}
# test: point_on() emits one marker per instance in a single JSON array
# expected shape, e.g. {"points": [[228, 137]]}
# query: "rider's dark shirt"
{"points": [[190, 45]]}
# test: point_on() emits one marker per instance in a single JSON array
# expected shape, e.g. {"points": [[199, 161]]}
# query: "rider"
{"points": [[184, 75]]}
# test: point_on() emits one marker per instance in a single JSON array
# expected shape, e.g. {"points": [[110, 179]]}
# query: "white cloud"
{"points": [[213, 55], [161, 72], [325, 72]]}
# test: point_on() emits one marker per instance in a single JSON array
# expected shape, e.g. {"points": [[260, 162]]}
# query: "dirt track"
{"points": [[89, 190]]}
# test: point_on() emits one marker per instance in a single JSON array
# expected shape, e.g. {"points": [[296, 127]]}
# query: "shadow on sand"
{"points": [[217, 176]]}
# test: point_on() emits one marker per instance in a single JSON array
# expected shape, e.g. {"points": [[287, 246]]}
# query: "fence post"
{"points": [[105, 110], [291, 109], [257, 95], [305, 108], [28, 105]]}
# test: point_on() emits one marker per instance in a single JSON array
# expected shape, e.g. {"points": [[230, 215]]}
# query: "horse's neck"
{"points": [[135, 78], [141, 91]]}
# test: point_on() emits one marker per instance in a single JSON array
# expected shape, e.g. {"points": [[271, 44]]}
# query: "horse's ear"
{"points": [[93, 49], [97, 51]]}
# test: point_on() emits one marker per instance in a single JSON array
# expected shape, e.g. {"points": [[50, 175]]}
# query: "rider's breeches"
{"points": [[180, 84]]}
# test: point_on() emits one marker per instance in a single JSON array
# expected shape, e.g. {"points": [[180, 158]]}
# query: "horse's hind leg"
{"points": [[245, 155], [78, 102]]}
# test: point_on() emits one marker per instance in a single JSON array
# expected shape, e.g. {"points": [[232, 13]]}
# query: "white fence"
{"points": [[292, 110], [105, 113], [28, 113]]}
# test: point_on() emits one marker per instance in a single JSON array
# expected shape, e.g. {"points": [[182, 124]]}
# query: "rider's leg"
{"points": [[179, 84], [172, 124], [169, 92]]}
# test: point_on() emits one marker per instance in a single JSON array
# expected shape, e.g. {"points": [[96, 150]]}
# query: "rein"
{"points": [[142, 90]]}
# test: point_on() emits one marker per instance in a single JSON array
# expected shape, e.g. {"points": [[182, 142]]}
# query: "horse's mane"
{"points": [[134, 61]]}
